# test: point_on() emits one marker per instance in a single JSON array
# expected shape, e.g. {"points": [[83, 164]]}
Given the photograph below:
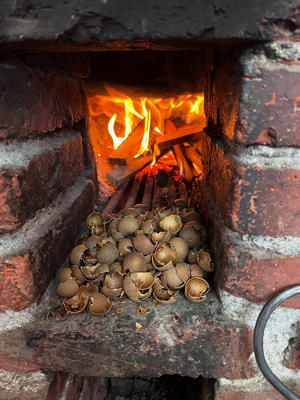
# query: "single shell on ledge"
{"points": [[196, 289], [77, 303]]}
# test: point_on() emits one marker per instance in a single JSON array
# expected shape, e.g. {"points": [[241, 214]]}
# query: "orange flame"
{"points": [[125, 113]]}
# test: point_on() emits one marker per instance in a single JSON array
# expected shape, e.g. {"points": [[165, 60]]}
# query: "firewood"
{"points": [[133, 192], [114, 200], [129, 148], [193, 156], [182, 162], [121, 173], [182, 134]]}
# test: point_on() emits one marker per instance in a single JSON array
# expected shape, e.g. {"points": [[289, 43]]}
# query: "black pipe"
{"points": [[258, 345]]}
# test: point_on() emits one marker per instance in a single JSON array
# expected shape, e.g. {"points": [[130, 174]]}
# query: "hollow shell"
{"points": [[99, 304], [159, 237], [171, 223], [98, 230], [63, 274], [183, 270], [76, 304], [163, 294], [94, 219], [67, 288], [76, 254], [128, 225], [164, 253], [113, 284], [107, 254], [125, 246], [196, 289], [180, 247], [138, 286], [171, 279], [204, 260]]}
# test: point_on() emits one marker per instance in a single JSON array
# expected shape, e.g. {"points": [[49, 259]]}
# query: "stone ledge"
{"points": [[202, 342]]}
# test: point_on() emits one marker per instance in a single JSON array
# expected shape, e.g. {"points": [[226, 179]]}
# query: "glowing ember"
{"points": [[125, 113]]}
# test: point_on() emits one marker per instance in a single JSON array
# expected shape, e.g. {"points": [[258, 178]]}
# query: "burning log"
{"points": [[129, 148], [182, 162], [179, 135], [121, 173], [194, 157]]}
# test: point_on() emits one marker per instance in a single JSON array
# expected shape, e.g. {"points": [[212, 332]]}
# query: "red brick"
{"points": [[253, 395], [25, 190], [242, 274], [25, 274], [252, 200], [32, 102], [255, 103], [11, 364], [57, 386]]}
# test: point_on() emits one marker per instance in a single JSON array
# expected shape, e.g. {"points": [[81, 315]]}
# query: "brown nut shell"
{"points": [[128, 225], [159, 237], [183, 270], [196, 289], [125, 246], [99, 304], [76, 304], [190, 236], [164, 253], [76, 254], [180, 247], [113, 284], [171, 223], [131, 283], [107, 254], [134, 262], [197, 271], [63, 274], [204, 260], [77, 274], [94, 219], [163, 294], [67, 288], [171, 279], [143, 243]]}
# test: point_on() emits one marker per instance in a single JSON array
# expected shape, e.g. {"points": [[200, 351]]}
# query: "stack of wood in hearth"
{"points": [[180, 142]]}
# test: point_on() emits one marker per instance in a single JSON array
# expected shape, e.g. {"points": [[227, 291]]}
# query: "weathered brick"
{"points": [[253, 395], [244, 274], [262, 100], [53, 165], [30, 257], [12, 364], [253, 200], [32, 101]]}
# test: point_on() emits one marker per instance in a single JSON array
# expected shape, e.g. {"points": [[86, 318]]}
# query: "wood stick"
{"points": [[194, 156], [182, 134], [132, 195], [129, 148], [121, 173], [115, 198], [182, 162], [147, 196]]}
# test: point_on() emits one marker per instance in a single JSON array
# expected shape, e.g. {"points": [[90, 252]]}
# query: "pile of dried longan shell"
{"points": [[139, 254]]}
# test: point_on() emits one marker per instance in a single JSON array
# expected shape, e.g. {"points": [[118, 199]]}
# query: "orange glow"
{"points": [[126, 112]]}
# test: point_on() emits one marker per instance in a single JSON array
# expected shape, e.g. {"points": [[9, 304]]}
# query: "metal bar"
{"points": [[258, 343]]}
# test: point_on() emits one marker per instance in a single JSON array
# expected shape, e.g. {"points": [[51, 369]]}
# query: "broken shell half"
{"points": [[76, 254], [67, 288], [113, 284], [159, 237], [88, 290], [170, 279], [204, 260], [163, 212], [125, 246], [138, 286], [163, 294], [98, 230], [99, 304], [94, 219], [196, 289], [77, 303], [171, 223], [164, 253]]}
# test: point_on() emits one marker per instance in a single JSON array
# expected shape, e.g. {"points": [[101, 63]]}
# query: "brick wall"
{"points": [[250, 195], [44, 190]]}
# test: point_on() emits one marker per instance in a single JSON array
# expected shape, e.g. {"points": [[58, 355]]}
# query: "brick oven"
{"points": [[243, 61]]}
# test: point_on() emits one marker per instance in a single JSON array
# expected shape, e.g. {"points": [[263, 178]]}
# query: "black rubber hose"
{"points": [[258, 344]]}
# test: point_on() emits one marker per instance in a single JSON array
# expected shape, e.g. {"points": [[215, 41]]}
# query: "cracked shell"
{"points": [[94, 219], [196, 289], [99, 304], [134, 262], [171, 223], [204, 260], [113, 284], [164, 253], [138, 286], [163, 294], [77, 303], [76, 254]]}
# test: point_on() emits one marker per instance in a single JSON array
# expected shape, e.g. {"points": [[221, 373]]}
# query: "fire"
{"points": [[125, 113]]}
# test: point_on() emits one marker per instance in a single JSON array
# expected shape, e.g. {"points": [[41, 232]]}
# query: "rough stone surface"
{"points": [[33, 101], [112, 20], [51, 169], [262, 95], [253, 395], [201, 342], [18, 386], [30, 257]]}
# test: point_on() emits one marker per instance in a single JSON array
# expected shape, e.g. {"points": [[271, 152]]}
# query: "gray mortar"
{"points": [[14, 385], [32, 230], [16, 154], [263, 156], [283, 50], [280, 328]]}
